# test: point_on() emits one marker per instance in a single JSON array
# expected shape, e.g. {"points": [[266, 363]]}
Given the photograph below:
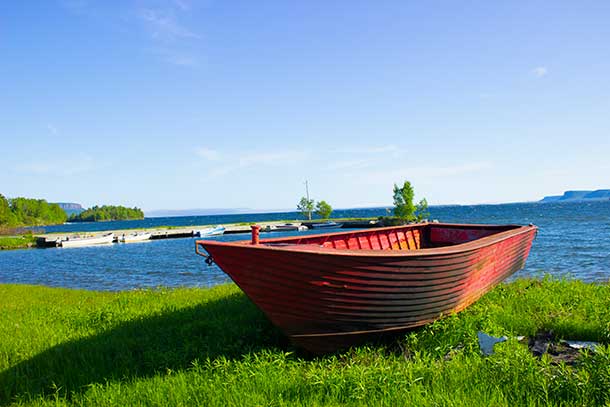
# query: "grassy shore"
{"points": [[213, 347], [17, 242]]}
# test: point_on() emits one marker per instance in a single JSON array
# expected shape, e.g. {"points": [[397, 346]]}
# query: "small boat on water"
{"points": [[286, 227], [135, 237], [324, 225], [215, 231], [329, 291], [86, 241]]}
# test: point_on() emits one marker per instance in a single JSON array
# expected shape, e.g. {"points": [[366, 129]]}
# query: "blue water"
{"points": [[573, 240]]}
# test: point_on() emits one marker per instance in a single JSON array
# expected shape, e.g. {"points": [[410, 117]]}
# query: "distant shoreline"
{"points": [[230, 212]]}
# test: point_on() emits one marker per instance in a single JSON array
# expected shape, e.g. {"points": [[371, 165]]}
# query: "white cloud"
{"points": [[162, 22], [163, 25], [173, 41], [540, 71]]}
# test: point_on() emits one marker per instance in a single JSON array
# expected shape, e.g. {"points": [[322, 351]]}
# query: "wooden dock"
{"points": [[51, 239]]}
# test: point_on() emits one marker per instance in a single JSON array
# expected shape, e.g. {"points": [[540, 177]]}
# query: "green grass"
{"points": [[17, 242], [213, 347]]}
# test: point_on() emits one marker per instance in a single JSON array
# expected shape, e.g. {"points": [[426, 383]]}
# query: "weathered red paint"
{"points": [[331, 290], [255, 233]]}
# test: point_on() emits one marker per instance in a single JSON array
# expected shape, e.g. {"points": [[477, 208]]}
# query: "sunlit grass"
{"points": [[17, 242], [213, 347]]}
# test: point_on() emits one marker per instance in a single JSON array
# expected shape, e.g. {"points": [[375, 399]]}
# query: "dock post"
{"points": [[255, 232]]}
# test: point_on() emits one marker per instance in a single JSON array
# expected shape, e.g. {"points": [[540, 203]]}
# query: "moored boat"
{"points": [[286, 227], [329, 291], [215, 231], [323, 225], [135, 237], [87, 241]]}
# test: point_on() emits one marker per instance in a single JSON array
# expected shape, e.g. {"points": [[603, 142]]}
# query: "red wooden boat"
{"points": [[329, 291]]}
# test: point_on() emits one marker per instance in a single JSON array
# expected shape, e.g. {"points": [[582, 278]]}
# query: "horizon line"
{"points": [[252, 211]]}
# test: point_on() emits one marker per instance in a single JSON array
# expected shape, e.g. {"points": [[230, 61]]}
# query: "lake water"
{"points": [[573, 240]]}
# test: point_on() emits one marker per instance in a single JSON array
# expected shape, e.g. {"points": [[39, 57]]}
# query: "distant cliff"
{"points": [[71, 208], [600, 194]]}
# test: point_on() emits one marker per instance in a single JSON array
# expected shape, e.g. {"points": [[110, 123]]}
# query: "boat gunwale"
{"points": [[312, 248]]}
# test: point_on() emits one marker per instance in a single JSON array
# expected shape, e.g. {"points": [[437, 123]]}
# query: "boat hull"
{"points": [[88, 241], [217, 231], [140, 237], [327, 225], [286, 228], [325, 298]]}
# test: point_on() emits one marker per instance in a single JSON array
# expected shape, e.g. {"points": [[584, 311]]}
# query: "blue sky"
{"points": [[185, 104]]}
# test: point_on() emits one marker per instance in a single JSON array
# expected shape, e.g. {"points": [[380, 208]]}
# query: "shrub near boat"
{"points": [[330, 291]]}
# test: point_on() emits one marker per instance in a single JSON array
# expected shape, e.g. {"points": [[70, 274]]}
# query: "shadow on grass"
{"points": [[230, 327]]}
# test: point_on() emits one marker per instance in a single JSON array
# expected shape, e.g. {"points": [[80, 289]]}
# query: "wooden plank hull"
{"points": [[328, 291]]}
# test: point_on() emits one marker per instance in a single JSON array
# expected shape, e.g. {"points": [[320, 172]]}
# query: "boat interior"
{"points": [[410, 237]]}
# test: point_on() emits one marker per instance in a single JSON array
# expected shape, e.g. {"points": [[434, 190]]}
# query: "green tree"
{"points": [[404, 208], [31, 212], [305, 206], [55, 212], [323, 209], [7, 217], [421, 210]]}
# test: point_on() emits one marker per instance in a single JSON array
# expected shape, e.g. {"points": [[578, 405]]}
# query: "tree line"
{"points": [[20, 211], [107, 213]]}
